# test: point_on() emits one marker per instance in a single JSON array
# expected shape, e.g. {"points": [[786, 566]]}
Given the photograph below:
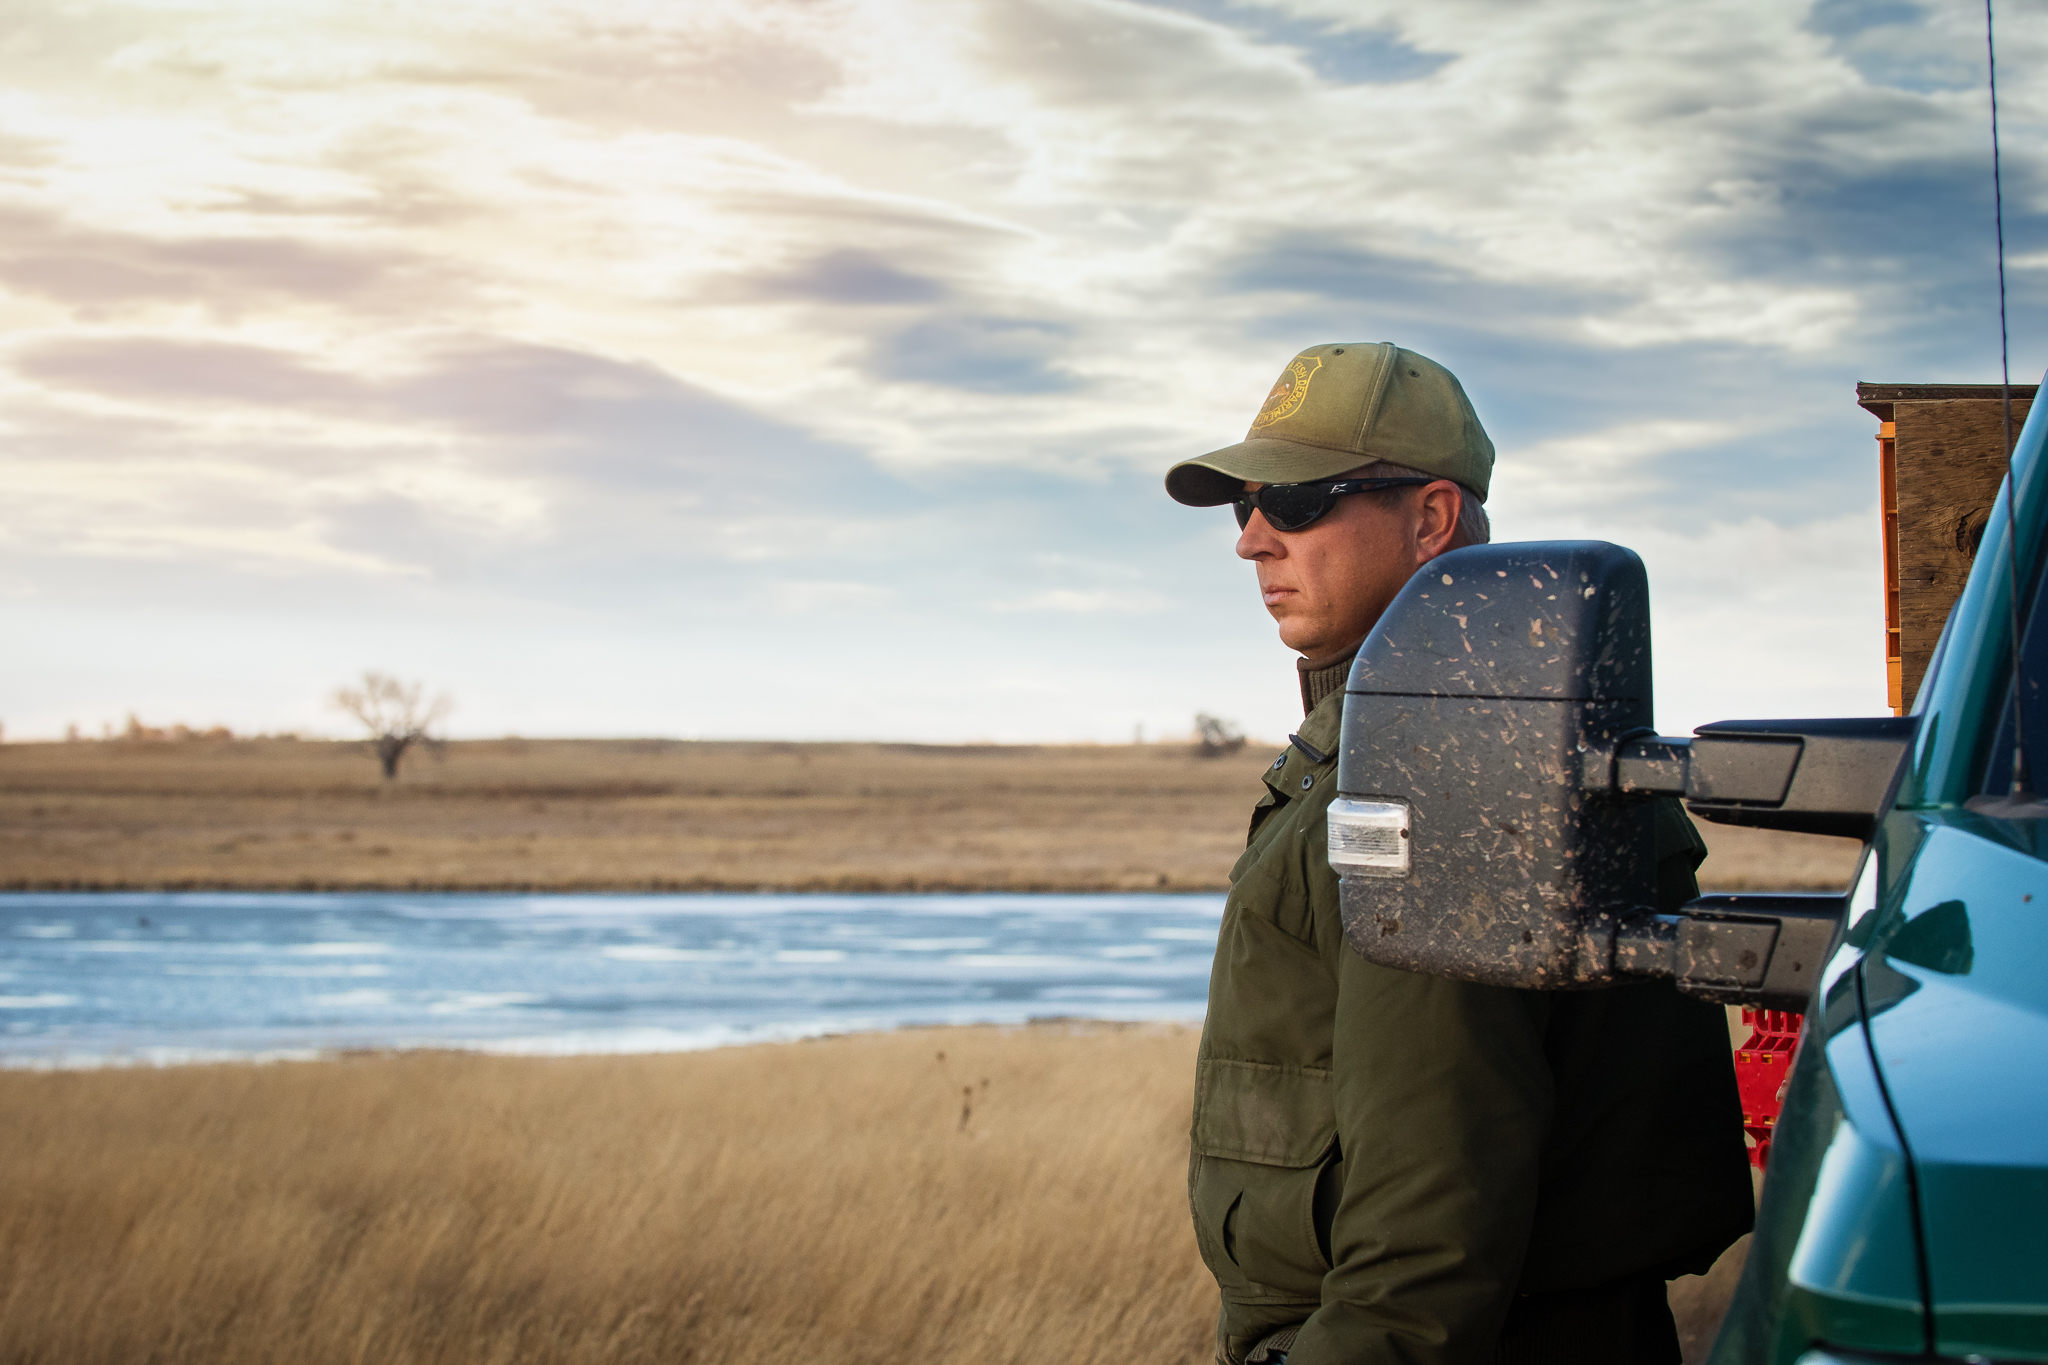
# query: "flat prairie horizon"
{"points": [[652, 815]]}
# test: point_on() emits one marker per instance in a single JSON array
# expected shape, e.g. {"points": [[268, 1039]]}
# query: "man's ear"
{"points": [[1436, 527]]}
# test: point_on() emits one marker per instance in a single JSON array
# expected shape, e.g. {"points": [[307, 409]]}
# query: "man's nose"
{"points": [[1259, 540]]}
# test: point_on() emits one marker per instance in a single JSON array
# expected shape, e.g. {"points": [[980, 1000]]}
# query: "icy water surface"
{"points": [[91, 979]]}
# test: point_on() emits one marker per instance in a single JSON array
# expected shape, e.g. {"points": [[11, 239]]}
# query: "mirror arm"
{"points": [[1646, 944], [1758, 950], [1638, 762], [1652, 765], [1815, 777]]}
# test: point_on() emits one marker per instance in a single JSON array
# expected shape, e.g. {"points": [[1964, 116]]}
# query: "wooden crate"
{"points": [[1941, 457]]}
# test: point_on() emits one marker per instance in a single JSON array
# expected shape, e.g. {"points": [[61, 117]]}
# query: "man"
{"points": [[1389, 1167]]}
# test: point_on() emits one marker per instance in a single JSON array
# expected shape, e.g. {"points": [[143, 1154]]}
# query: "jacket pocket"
{"points": [[1262, 1134], [1266, 885], [1268, 804]]}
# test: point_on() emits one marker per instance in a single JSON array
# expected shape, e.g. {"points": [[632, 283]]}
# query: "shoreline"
{"points": [[186, 1058], [652, 887], [711, 887]]}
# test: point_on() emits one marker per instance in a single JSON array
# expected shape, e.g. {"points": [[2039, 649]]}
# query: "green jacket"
{"points": [[1388, 1158]]}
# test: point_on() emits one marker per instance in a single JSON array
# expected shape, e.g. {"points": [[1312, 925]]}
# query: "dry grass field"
{"points": [[639, 815], [820, 1201], [948, 1197]]}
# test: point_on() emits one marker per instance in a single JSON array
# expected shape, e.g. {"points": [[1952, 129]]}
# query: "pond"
{"points": [[95, 979]]}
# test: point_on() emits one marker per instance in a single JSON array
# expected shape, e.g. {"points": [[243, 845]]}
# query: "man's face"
{"points": [[1328, 583]]}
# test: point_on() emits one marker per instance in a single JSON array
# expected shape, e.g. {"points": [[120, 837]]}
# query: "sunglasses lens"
{"points": [[1288, 506], [1291, 506]]}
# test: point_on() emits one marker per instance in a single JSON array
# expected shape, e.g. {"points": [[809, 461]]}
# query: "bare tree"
{"points": [[1216, 737], [396, 714]]}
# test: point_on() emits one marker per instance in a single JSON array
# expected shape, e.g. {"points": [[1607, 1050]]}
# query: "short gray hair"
{"points": [[1474, 526]]}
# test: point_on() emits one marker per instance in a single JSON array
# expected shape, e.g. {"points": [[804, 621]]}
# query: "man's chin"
{"points": [[1302, 642], [1314, 646]]}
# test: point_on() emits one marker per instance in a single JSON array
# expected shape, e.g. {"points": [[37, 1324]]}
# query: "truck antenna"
{"points": [[2012, 488]]}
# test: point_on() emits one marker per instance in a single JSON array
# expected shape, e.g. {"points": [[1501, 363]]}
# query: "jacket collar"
{"points": [[1321, 677], [1311, 752]]}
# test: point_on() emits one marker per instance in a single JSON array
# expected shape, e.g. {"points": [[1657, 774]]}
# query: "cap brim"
{"points": [[1218, 477]]}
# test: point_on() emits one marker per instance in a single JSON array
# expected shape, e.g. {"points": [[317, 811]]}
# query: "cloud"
{"points": [[470, 446], [1608, 470], [1333, 49], [186, 371], [850, 276], [95, 269], [523, 397], [1884, 40], [678, 343], [1395, 289], [981, 354]]}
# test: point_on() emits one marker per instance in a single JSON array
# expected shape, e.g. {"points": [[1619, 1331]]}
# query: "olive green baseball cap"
{"points": [[1342, 405]]}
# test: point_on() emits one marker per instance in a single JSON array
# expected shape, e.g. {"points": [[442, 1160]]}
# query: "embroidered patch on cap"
{"points": [[1289, 394]]}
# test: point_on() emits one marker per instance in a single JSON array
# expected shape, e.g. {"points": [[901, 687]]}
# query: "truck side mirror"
{"points": [[1493, 824]]}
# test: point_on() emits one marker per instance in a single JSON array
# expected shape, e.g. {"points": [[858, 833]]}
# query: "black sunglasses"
{"points": [[1291, 506]]}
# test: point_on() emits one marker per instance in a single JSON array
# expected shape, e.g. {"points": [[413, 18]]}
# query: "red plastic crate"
{"points": [[1762, 1066]]}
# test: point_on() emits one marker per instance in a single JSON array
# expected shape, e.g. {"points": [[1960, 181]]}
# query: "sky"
{"points": [[808, 368]]}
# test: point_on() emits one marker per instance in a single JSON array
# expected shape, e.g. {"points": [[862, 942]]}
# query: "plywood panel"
{"points": [[1950, 458]]}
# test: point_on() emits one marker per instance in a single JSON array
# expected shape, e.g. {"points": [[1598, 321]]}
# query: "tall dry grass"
{"points": [[666, 815], [948, 1195], [1020, 1198]]}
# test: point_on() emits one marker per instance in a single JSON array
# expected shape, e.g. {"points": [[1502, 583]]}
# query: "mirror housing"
{"points": [[1472, 706], [1493, 820]]}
